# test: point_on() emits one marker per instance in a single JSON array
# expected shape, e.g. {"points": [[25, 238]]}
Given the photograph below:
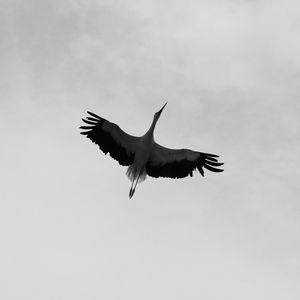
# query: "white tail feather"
{"points": [[133, 173]]}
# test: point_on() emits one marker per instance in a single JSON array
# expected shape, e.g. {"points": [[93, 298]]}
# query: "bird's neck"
{"points": [[152, 127]]}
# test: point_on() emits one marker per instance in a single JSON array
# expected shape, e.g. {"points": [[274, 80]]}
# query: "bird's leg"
{"points": [[132, 190], [135, 185]]}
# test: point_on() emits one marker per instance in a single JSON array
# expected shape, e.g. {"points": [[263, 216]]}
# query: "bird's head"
{"points": [[158, 113]]}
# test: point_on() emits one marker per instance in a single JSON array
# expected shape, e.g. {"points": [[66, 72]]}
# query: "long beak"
{"points": [[162, 108]]}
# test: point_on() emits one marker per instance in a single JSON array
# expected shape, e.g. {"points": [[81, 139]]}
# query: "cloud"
{"points": [[230, 72]]}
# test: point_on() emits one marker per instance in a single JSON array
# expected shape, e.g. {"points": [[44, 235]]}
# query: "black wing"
{"points": [[179, 163], [111, 139]]}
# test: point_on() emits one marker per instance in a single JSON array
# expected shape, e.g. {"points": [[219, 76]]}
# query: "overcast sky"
{"points": [[230, 71]]}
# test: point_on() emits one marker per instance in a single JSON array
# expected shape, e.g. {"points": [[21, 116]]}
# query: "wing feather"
{"points": [[89, 122], [110, 138], [179, 163]]}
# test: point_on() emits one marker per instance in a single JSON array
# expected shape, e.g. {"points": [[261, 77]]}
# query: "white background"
{"points": [[230, 72]]}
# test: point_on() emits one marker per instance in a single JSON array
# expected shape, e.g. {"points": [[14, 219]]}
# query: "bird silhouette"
{"points": [[143, 155]]}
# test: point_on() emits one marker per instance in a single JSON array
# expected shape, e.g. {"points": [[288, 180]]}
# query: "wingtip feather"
{"points": [[214, 164], [94, 115], [210, 155], [212, 169], [89, 122]]}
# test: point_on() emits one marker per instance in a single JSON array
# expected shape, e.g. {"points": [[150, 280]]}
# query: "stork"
{"points": [[143, 155]]}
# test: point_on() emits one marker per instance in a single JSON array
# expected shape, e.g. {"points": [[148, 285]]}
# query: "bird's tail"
{"points": [[134, 173]]}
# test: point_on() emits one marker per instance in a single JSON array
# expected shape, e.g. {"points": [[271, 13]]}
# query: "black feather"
{"points": [[88, 122], [105, 141], [182, 168], [94, 115]]}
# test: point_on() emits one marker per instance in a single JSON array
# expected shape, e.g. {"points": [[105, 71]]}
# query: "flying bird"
{"points": [[143, 155]]}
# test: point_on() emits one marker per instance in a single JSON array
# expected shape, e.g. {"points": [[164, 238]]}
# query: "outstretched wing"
{"points": [[110, 138], [179, 163]]}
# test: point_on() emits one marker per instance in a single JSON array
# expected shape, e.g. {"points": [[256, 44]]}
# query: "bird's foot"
{"points": [[131, 192]]}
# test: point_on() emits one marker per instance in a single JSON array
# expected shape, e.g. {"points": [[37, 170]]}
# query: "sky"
{"points": [[230, 72]]}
